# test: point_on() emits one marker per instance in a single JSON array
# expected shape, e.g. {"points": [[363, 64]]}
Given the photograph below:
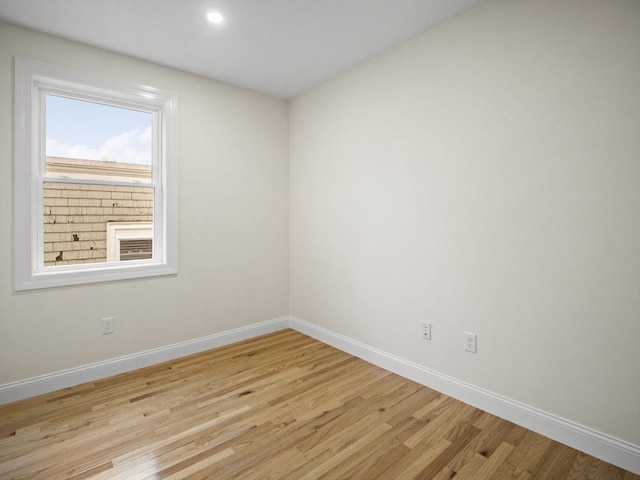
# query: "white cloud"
{"points": [[128, 147]]}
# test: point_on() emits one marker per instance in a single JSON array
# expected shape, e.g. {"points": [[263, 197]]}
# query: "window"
{"points": [[129, 241], [95, 192]]}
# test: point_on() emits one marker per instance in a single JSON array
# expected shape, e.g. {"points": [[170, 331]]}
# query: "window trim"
{"points": [[35, 79]]}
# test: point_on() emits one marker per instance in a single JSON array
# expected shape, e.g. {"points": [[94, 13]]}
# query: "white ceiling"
{"points": [[279, 47]]}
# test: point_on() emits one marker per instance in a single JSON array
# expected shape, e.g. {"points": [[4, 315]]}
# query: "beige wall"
{"points": [[233, 216], [485, 177]]}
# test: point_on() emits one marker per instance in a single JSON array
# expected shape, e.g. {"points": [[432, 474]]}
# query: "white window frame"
{"points": [[117, 231], [33, 80]]}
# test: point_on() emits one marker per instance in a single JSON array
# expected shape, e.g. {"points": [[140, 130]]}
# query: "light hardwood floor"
{"points": [[281, 406]]}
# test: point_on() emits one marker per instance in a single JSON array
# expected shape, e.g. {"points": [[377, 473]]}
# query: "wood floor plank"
{"points": [[386, 444], [494, 461], [281, 406]]}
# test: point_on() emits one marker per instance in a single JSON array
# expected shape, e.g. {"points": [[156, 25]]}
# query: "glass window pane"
{"points": [[77, 217], [87, 140]]}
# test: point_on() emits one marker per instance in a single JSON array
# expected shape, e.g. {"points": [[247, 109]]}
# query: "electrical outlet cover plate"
{"points": [[426, 330], [470, 342], [108, 325]]}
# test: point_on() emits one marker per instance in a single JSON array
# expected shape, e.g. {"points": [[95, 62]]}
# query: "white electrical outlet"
{"points": [[470, 342], [108, 325], [426, 330]]}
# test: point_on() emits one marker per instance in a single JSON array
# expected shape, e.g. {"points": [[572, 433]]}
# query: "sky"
{"points": [[93, 131]]}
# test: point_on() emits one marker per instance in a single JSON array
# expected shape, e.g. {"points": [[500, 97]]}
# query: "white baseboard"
{"points": [[14, 391], [612, 450], [605, 447]]}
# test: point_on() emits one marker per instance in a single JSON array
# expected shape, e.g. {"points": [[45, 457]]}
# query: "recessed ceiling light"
{"points": [[215, 17]]}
